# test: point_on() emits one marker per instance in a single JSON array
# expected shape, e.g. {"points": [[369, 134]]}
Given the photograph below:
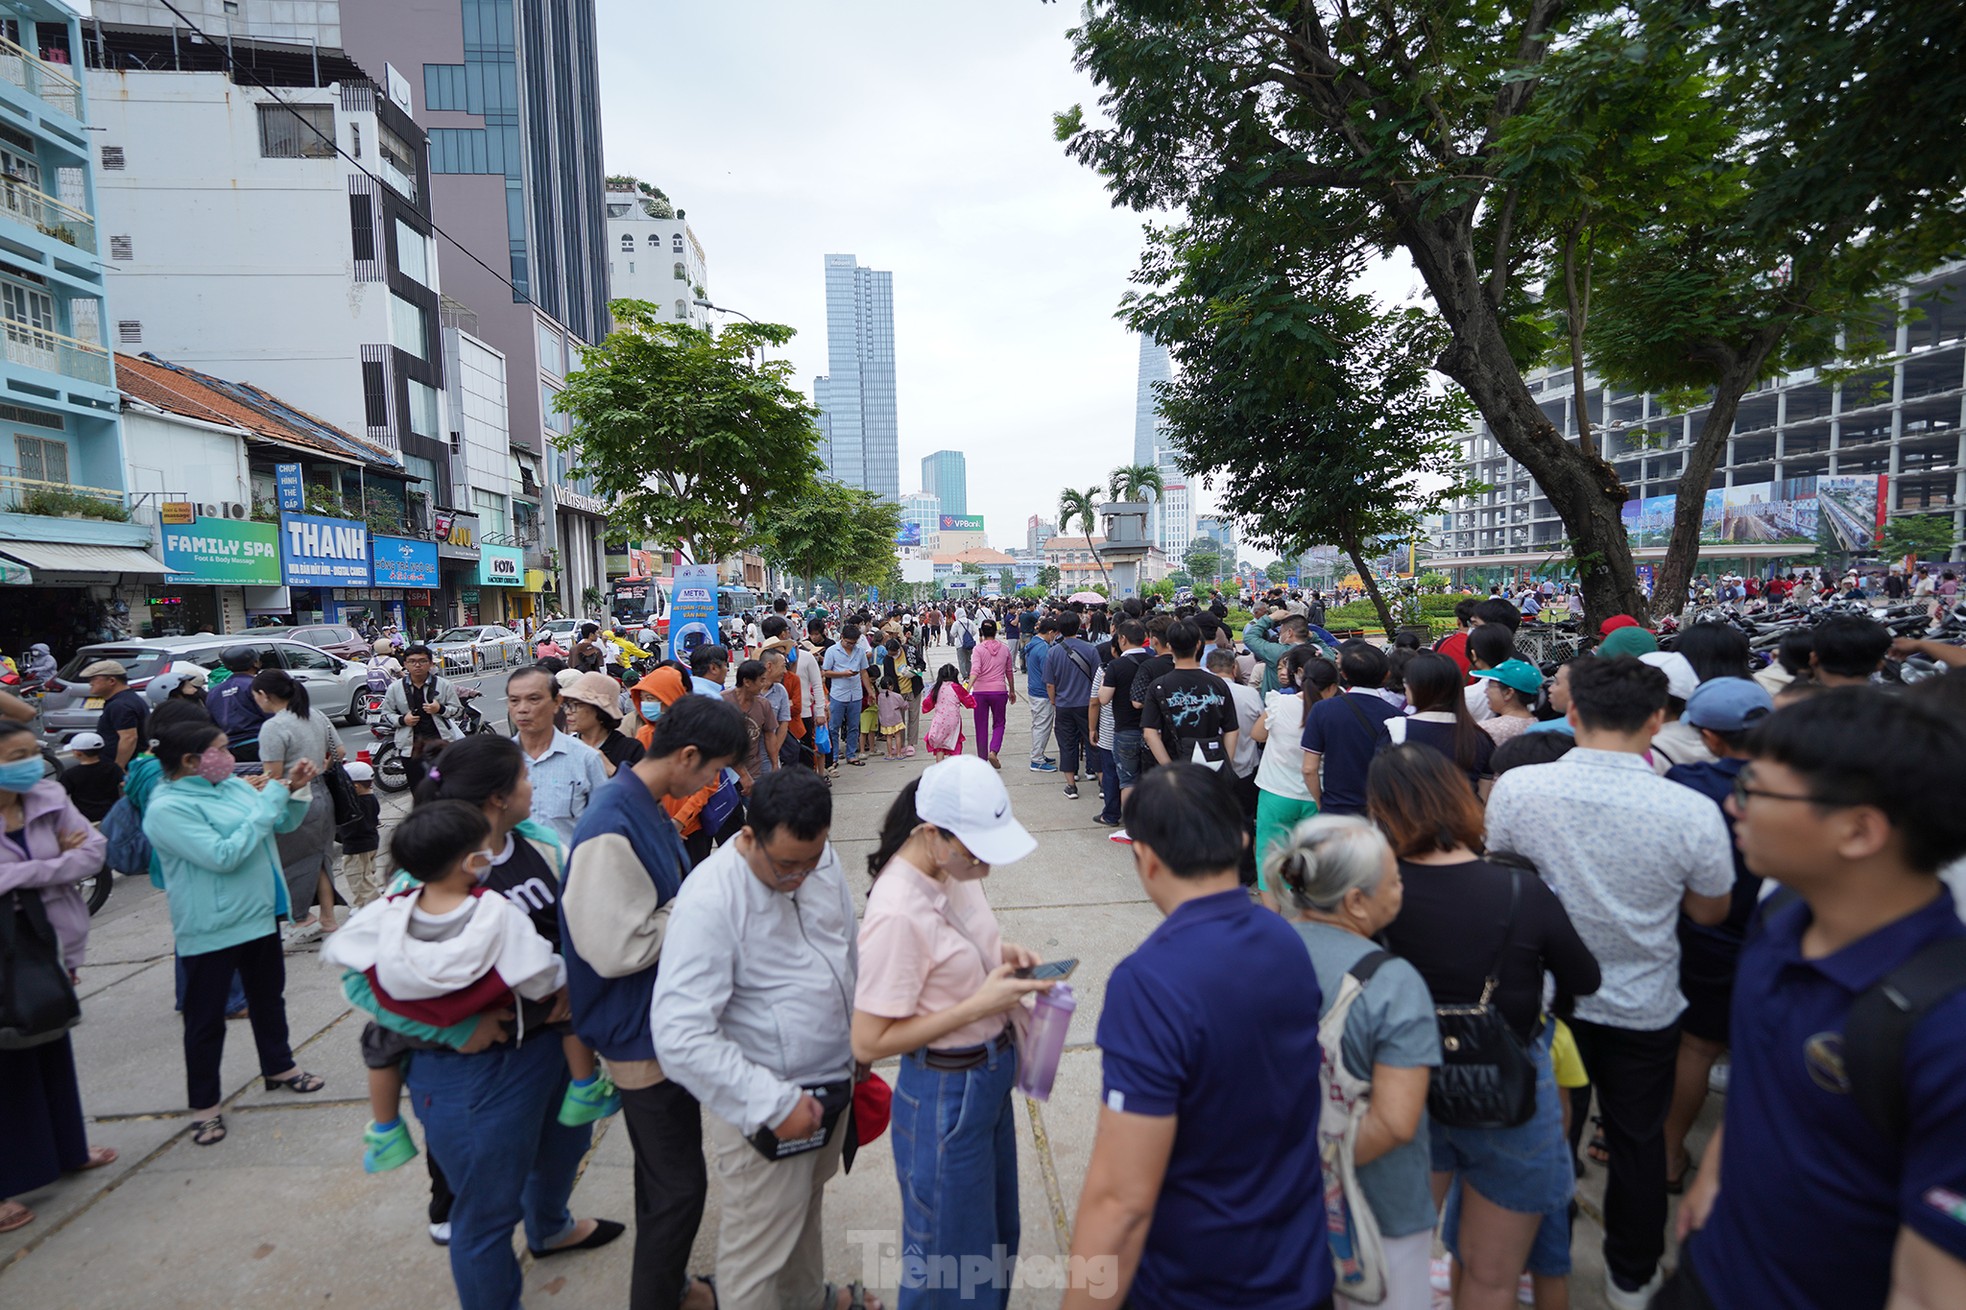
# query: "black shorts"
{"points": [[1706, 980], [384, 1048]]}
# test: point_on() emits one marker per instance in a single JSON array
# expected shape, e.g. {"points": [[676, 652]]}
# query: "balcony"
{"points": [[40, 210], [41, 79], [36, 347]]}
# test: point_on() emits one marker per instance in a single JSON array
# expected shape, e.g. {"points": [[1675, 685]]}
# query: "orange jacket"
{"points": [[666, 686]]}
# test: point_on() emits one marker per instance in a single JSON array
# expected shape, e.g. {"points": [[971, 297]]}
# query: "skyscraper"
{"points": [[946, 474], [1172, 517], [1154, 367], [860, 439]]}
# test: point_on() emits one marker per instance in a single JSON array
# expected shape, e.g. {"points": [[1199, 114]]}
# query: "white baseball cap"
{"points": [[359, 772], [85, 741], [1681, 680], [964, 796]]}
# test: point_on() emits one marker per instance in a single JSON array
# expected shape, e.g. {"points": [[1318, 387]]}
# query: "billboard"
{"points": [[323, 552], [692, 608], [223, 552], [917, 570], [962, 523], [908, 534], [501, 566], [1794, 511], [404, 562]]}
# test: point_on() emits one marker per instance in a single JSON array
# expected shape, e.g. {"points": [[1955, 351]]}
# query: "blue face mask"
{"points": [[21, 775], [651, 709]]}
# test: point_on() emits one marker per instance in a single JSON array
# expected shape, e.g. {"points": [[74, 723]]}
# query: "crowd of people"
{"points": [[1503, 922]]}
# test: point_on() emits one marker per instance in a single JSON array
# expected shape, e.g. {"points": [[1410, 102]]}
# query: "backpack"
{"points": [[969, 635], [378, 673], [1882, 1019], [1358, 1254], [129, 849]]}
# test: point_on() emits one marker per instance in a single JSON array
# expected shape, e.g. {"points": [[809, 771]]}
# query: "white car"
{"points": [[483, 646]]}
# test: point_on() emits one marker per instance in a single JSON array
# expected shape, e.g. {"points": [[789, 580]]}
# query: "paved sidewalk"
{"points": [[281, 1212]]}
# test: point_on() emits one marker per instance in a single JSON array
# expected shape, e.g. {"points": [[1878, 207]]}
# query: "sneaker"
{"points": [[1619, 1299], [441, 1233], [1071, 791], [386, 1149], [1121, 838], [1525, 1290], [1045, 766], [1105, 822], [1440, 1274], [583, 1105], [1717, 1078]]}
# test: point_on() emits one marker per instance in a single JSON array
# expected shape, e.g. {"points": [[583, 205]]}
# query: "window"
{"points": [[406, 327], [355, 140], [20, 166], [112, 159], [28, 307], [361, 225], [375, 394], [552, 349], [681, 275], [682, 309], [423, 410], [444, 88], [41, 460], [398, 161], [551, 418], [296, 131], [491, 512], [676, 245], [307, 658], [655, 242], [627, 243], [412, 253], [129, 331]]}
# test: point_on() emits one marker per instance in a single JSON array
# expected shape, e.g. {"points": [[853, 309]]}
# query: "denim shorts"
{"points": [[1127, 744], [1526, 1168]]}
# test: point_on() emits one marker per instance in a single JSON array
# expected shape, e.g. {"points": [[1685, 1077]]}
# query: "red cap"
{"points": [[1615, 622], [873, 1105]]}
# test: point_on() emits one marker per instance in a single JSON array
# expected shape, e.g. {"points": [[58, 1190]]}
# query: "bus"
{"points": [[639, 600]]}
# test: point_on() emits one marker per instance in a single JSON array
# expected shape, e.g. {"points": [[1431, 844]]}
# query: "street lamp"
{"points": [[701, 303]]}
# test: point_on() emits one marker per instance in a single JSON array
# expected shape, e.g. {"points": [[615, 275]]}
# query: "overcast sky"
{"points": [[916, 136]]}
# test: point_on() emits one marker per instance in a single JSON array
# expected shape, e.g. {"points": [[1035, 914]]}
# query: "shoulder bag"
{"points": [[37, 1002], [1358, 1253], [1486, 1077]]}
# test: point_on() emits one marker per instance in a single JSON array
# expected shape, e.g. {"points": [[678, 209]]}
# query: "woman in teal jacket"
{"points": [[212, 833]]}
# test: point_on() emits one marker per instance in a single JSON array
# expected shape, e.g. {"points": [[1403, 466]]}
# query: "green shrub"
{"points": [[46, 501]]}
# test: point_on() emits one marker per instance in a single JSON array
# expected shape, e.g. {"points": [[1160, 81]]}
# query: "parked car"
{"points": [[563, 631], [334, 685], [334, 638], [486, 646]]}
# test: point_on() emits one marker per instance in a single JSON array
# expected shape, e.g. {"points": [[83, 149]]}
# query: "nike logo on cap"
{"points": [[1001, 808]]}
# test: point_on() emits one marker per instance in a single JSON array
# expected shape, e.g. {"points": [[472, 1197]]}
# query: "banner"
{"points": [[287, 476], [501, 566], [908, 534], [322, 552], [222, 552], [693, 609], [1837, 513], [962, 523], [405, 562]]}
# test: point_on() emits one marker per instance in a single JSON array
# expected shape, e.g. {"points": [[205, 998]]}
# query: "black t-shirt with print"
{"points": [[1188, 706], [524, 879], [1151, 670]]}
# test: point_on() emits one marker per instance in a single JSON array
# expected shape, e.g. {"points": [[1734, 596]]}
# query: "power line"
{"points": [[235, 66]]}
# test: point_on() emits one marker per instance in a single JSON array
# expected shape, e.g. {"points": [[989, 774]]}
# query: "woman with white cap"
{"points": [[936, 987]]}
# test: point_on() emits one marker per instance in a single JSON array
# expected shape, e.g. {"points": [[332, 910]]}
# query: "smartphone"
{"points": [[1050, 969]]}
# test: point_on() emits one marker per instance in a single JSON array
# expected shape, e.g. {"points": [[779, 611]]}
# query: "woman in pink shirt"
{"points": [[936, 988], [994, 689]]}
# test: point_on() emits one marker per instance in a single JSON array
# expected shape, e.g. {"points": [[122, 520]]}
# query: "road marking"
{"points": [[1048, 1169]]}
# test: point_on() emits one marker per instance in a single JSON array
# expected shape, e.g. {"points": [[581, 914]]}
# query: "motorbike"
{"points": [[391, 768]]}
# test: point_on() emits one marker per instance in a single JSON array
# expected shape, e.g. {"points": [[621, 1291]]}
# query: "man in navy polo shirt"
{"points": [[1343, 733], [1813, 1206], [1204, 1189]]}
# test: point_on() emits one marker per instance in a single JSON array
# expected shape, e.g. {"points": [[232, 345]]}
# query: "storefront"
{"points": [[321, 559], [457, 567], [212, 562], [405, 572], [70, 594], [501, 581]]}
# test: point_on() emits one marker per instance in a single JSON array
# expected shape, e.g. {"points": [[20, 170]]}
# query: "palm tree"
{"points": [[1082, 507], [1135, 482]]}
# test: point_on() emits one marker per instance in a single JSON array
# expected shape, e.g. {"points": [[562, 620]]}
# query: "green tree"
{"points": [[1048, 578], [867, 532], [1135, 482], [1082, 507], [1203, 561], [1178, 579], [688, 441], [1924, 536], [833, 531], [1277, 572]]}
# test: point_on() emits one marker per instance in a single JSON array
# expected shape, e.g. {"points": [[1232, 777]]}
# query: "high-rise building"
{"points": [[1221, 529], [654, 256], [509, 93], [946, 474], [1037, 531], [921, 520], [1150, 447], [1175, 516], [860, 441]]}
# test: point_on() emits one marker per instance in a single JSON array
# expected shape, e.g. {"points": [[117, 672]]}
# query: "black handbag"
{"points": [[37, 1002], [341, 791], [1487, 1078]]}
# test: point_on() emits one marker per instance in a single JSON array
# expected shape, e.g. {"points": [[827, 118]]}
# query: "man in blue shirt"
{"points": [[1813, 1205], [844, 669], [1042, 715], [1068, 670], [709, 666], [1343, 733], [1204, 1189]]}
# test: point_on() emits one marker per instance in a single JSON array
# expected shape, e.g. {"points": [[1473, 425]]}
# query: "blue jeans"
{"points": [[492, 1120], [1128, 746], [1100, 759], [955, 1154], [843, 721]]}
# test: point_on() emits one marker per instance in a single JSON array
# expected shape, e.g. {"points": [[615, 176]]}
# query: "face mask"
{"points": [[479, 863], [650, 707], [21, 775], [215, 765]]}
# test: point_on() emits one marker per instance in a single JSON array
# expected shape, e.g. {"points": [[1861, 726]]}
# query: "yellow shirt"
{"points": [[1564, 1059]]}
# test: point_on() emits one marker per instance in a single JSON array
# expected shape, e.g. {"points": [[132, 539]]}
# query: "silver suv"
{"points": [[334, 685]]}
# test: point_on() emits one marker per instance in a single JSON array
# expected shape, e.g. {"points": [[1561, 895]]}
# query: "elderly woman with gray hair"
{"points": [[1343, 887]]}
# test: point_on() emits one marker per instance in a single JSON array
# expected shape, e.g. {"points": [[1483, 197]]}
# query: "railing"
{"points": [[52, 352], [38, 77], [55, 498], [41, 210]]}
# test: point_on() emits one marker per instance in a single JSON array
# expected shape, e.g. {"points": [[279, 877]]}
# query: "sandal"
{"points": [[1598, 1150], [302, 1083], [99, 1157], [209, 1132], [14, 1215], [829, 1297]]}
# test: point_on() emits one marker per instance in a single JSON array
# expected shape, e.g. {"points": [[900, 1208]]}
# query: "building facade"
{"points": [[1074, 558], [921, 521], [1037, 531], [508, 92], [654, 256], [860, 442], [1221, 531], [72, 528], [946, 473], [1815, 458], [1174, 515]]}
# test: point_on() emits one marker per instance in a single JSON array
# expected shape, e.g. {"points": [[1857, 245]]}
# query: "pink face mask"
{"points": [[215, 765]]}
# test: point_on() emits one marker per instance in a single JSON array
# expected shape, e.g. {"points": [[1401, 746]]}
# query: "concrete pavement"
{"points": [[281, 1211]]}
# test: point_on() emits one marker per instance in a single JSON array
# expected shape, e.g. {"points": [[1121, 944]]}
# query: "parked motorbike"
{"points": [[391, 769]]}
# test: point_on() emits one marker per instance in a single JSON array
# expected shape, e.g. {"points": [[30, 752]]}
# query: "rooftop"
{"points": [[176, 389]]}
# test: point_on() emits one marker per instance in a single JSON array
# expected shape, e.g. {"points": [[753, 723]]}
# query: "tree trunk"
{"points": [[1579, 307], [1354, 548], [1585, 491], [1689, 508]]}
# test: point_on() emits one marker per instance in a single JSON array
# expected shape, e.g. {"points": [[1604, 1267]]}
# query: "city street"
{"points": [[281, 1211]]}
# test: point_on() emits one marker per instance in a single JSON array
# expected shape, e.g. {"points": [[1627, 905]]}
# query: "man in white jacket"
{"points": [[752, 1014]]}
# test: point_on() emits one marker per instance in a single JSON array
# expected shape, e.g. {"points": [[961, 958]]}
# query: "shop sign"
{"points": [[222, 553], [457, 536], [567, 499], [402, 562], [417, 598], [177, 512], [501, 566], [287, 477], [323, 552], [469, 596]]}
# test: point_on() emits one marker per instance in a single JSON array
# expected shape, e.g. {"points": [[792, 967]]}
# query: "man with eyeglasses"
{"points": [[1843, 1181], [1625, 851], [753, 1012]]}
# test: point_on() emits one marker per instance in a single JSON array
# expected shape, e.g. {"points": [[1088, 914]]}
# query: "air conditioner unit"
{"points": [[210, 511], [235, 509]]}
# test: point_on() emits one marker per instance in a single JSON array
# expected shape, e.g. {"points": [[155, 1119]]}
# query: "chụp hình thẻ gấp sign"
{"points": [[323, 552]]}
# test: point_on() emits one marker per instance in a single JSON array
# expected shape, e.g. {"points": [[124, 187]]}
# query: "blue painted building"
{"points": [[69, 528]]}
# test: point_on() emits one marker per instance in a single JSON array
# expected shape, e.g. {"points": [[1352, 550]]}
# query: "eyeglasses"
{"points": [[783, 869], [1743, 789]]}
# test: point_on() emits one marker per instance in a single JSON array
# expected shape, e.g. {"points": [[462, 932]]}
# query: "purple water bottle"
{"points": [[1046, 1043]]}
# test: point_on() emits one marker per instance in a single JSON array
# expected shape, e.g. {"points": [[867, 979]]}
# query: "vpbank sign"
{"points": [[322, 552]]}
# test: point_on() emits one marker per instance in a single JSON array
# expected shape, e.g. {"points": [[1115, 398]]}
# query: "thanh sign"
{"points": [[323, 552], [222, 552]]}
